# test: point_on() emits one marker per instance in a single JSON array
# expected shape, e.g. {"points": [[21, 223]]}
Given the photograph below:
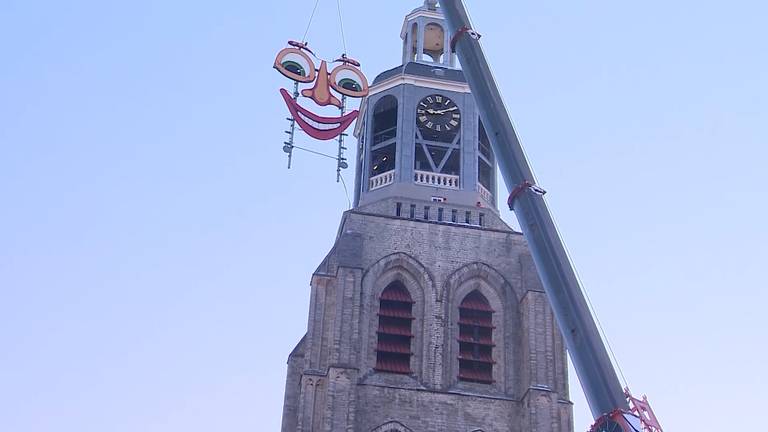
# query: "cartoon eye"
{"points": [[349, 81], [296, 65]]}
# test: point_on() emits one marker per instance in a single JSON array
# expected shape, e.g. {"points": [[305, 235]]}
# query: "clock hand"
{"points": [[445, 110]]}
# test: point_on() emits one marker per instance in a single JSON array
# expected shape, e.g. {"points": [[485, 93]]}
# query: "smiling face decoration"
{"points": [[345, 79]]}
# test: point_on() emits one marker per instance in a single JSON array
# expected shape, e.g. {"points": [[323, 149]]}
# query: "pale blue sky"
{"points": [[155, 253]]}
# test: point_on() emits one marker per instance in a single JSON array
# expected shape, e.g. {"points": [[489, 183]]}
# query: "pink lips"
{"points": [[318, 127]]}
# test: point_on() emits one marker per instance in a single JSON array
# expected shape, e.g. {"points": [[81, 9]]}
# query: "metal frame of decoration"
{"points": [[345, 79]]}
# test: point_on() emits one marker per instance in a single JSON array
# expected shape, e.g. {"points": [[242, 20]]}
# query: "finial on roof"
{"points": [[430, 4]]}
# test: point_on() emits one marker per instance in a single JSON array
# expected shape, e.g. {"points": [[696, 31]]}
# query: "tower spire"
{"points": [[426, 38]]}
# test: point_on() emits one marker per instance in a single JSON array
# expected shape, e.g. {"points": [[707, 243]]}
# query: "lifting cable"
{"points": [[346, 192], [593, 310], [341, 177], [341, 26], [344, 46], [529, 185], [314, 9]]}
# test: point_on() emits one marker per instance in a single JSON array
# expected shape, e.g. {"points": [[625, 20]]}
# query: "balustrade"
{"points": [[381, 180], [485, 193], [447, 181]]}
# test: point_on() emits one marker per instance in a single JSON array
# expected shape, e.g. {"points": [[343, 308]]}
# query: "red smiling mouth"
{"points": [[318, 127]]}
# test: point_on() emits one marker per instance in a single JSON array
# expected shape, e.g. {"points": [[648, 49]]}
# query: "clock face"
{"points": [[438, 116]]}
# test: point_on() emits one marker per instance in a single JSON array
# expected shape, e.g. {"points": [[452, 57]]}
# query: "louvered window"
{"points": [[476, 339], [393, 350]]}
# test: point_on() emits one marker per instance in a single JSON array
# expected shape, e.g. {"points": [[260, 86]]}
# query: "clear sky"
{"points": [[155, 254]]}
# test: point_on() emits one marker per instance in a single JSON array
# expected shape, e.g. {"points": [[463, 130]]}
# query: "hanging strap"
{"points": [[525, 185], [459, 32]]}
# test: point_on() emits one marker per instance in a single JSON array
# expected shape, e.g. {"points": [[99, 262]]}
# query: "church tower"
{"points": [[427, 314]]}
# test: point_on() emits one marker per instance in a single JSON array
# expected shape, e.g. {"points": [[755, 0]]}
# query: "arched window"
{"points": [[484, 160], [434, 42], [385, 119], [414, 42], [476, 339], [383, 147], [393, 349]]}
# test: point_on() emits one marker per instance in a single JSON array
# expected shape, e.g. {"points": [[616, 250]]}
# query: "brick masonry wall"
{"points": [[336, 389]]}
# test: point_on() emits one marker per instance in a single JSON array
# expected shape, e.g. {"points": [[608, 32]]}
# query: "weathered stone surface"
{"points": [[331, 383]]}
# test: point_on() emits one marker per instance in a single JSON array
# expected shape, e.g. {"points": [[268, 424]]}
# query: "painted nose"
{"points": [[321, 92]]}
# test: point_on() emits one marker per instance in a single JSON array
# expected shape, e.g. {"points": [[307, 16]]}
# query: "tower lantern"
{"points": [[425, 37], [419, 133]]}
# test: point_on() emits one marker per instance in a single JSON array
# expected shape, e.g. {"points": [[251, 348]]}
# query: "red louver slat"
{"points": [[476, 305], [393, 347], [481, 341], [393, 365], [395, 313], [396, 295], [395, 330]]}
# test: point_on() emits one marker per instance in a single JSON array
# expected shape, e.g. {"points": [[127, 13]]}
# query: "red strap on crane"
{"points": [[460, 31], [525, 185]]}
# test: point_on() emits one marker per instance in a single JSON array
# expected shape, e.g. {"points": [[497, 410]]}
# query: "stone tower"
{"points": [[427, 314]]}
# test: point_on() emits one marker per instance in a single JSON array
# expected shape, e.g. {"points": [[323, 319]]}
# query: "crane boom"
{"points": [[588, 353]]}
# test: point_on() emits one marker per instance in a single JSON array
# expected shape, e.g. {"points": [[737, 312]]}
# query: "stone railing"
{"points": [[485, 193], [381, 180], [436, 179]]}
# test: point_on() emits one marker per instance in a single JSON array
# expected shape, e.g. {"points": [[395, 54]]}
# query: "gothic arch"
{"points": [[478, 270], [392, 426], [397, 267], [407, 263], [503, 298]]}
